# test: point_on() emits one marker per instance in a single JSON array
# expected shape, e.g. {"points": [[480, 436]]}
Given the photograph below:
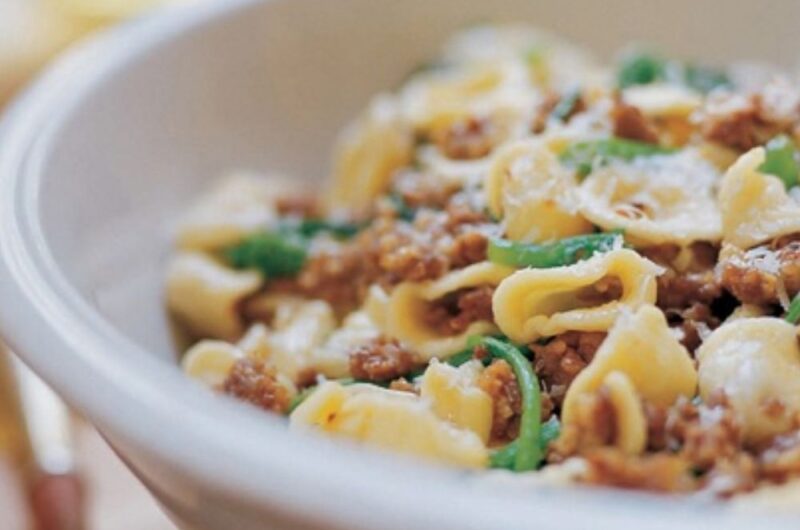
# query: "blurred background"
{"points": [[56, 472]]}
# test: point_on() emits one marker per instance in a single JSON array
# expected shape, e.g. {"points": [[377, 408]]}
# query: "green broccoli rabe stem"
{"points": [[557, 254], [338, 229], [505, 457], [781, 161], [529, 453], [793, 314], [585, 156], [566, 105]]}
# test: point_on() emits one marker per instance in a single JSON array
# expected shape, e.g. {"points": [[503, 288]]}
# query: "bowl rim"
{"points": [[142, 395]]}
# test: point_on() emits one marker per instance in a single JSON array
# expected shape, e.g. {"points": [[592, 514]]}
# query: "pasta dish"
{"points": [[526, 260]]}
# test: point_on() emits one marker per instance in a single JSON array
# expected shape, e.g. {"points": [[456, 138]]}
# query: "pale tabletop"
{"points": [[116, 500]]}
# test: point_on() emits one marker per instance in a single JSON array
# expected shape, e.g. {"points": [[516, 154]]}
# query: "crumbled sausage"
{"points": [[454, 313], [764, 273], [658, 472], [468, 248], [381, 359], [466, 139], [741, 121], [253, 381], [421, 190], [632, 124], [306, 206], [391, 251], [498, 380], [706, 434], [561, 359]]}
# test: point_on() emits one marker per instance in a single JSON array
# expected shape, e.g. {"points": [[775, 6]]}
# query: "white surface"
{"points": [[96, 161]]}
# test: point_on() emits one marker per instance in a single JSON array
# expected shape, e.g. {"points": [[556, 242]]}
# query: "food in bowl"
{"points": [[525, 261]]}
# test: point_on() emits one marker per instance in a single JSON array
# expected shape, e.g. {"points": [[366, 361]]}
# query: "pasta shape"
{"points": [[655, 199], [456, 397], [331, 359], [535, 303], [499, 91], [642, 347], [755, 206], [237, 206], [756, 363], [203, 295], [535, 196], [401, 314], [388, 419], [630, 424], [368, 153], [210, 361], [295, 344], [662, 99]]}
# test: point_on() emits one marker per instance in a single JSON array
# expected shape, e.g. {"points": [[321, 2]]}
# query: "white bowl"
{"points": [[99, 156]]}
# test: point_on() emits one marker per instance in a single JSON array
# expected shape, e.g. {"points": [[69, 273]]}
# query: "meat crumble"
{"points": [[381, 359], [561, 359], [454, 313], [255, 382]]}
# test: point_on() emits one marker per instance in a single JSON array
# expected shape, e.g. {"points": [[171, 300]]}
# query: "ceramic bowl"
{"points": [[102, 153]]}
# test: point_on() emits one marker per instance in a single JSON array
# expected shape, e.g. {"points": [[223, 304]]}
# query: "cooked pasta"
{"points": [[525, 261]]}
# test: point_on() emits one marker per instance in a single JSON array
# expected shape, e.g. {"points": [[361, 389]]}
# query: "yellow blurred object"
{"points": [[30, 33], [105, 10], [33, 31]]}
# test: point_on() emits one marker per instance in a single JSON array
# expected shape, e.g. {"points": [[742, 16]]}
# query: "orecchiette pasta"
{"points": [[403, 313], [756, 363], [456, 397], [368, 152], [536, 303], [239, 205], [204, 294], [657, 199], [640, 346], [498, 90], [755, 206], [533, 193], [389, 419], [210, 361], [630, 424]]}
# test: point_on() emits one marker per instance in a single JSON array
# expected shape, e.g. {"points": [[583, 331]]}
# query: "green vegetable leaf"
{"points": [[793, 314], [641, 69], [557, 254], [276, 254], [338, 229], [781, 161], [585, 156]]}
